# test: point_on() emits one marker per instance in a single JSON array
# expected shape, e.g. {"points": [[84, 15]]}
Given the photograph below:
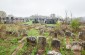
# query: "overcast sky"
{"points": [[26, 8]]}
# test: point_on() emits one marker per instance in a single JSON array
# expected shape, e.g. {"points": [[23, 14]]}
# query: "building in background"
{"points": [[10, 19]]}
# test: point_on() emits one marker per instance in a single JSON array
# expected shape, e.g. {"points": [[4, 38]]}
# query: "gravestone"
{"points": [[31, 41], [83, 45], [55, 44], [41, 31], [42, 42], [51, 32], [55, 34], [60, 32], [41, 45], [82, 35], [76, 47], [67, 33], [68, 44]]}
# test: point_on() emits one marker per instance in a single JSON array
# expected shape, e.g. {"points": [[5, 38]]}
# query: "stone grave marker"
{"points": [[2, 34], [42, 41], [82, 35], [67, 33], [31, 41], [68, 44], [55, 44], [83, 45], [51, 33], [41, 31], [55, 34], [41, 45], [76, 47]]}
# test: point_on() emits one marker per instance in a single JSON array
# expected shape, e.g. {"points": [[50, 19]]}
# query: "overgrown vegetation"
{"points": [[75, 24], [8, 45]]}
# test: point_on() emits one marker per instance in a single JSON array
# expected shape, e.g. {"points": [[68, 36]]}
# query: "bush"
{"points": [[58, 25], [75, 24]]}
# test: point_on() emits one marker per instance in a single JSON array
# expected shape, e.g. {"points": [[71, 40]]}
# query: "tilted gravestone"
{"points": [[31, 41], [82, 35], [41, 45]]}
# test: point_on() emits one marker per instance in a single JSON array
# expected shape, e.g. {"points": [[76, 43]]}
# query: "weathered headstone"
{"points": [[82, 35], [55, 44], [41, 31], [42, 42], [67, 34], [41, 45], [2, 33], [76, 47], [31, 41], [55, 34], [83, 45], [68, 44], [51, 33], [60, 32]]}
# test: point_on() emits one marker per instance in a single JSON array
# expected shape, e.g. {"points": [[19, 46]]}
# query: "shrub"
{"points": [[75, 24], [58, 24]]}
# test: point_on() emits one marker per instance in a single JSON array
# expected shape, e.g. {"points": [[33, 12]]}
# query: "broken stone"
{"points": [[68, 46]]}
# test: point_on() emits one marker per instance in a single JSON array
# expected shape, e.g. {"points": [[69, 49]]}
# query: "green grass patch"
{"points": [[8, 45], [30, 23], [33, 32], [46, 34]]}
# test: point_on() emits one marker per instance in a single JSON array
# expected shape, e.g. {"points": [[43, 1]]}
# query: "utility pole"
{"points": [[71, 15], [66, 16]]}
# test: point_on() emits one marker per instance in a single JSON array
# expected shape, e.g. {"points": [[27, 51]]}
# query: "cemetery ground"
{"points": [[9, 44]]}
